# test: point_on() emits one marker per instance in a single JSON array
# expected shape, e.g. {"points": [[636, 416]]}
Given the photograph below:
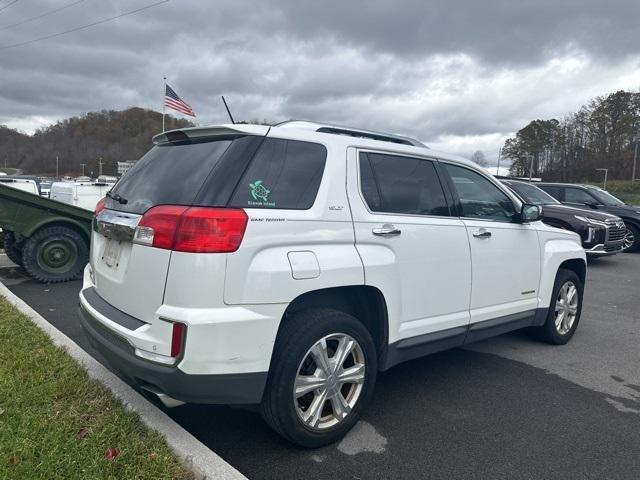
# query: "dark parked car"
{"points": [[598, 199], [601, 233]]}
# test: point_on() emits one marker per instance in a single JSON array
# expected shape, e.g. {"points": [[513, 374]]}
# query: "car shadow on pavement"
{"points": [[459, 414]]}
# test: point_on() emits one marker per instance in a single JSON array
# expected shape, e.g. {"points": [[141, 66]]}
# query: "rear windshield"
{"points": [[171, 173], [243, 171]]}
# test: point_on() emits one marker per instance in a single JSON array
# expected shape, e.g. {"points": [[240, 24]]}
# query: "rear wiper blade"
{"points": [[117, 197]]}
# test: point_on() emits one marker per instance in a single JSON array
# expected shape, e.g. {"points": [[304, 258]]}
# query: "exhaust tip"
{"points": [[166, 400]]}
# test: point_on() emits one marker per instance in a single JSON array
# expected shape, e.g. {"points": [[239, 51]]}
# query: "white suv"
{"points": [[285, 266]]}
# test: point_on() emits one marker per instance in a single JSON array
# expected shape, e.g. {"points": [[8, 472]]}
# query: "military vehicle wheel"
{"points": [[12, 248], [55, 254]]}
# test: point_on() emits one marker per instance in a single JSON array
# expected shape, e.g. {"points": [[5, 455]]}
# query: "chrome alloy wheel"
{"points": [[566, 308], [329, 381], [629, 238]]}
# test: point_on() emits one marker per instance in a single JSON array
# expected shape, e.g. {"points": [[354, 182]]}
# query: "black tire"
{"points": [[55, 254], [300, 332], [12, 248], [635, 231], [550, 332]]}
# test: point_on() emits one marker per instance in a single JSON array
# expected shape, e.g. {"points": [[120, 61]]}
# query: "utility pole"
{"points": [[499, 157], [82, 165], [99, 166], [530, 167], [57, 176], [635, 159], [164, 94], [606, 171]]}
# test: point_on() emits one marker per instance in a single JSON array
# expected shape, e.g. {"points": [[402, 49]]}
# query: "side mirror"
{"points": [[593, 205], [530, 213]]}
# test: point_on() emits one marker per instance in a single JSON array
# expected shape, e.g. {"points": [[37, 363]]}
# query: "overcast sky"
{"points": [[460, 75]]}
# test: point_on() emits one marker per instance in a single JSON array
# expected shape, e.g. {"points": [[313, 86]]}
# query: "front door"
{"points": [[505, 254], [411, 246]]}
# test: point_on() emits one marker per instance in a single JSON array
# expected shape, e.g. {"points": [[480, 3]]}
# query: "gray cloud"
{"points": [[460, 74]]}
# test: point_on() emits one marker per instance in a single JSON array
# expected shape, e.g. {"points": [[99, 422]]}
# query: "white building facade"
{"points": [[123, 167]]}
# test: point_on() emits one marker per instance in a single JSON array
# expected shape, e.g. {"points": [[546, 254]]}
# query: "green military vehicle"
{"points": [[48, 238]]}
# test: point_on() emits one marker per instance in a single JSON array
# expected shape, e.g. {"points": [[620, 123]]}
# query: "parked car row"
{"points": [[601, 233], [596, 199]]}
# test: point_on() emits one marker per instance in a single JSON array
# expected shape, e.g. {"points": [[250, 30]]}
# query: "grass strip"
{"points": [[57, 423]]}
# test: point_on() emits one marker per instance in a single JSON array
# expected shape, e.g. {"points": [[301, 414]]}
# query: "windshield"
{"points": [[605, 197], [532, 194], [167, 174]]}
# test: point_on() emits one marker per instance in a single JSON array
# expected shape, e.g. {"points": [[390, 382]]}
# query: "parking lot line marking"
{"points": [[205, 463]]}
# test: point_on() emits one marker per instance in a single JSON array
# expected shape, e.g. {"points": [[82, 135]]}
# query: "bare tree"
{"points": [[479, 158], [599, 135]]}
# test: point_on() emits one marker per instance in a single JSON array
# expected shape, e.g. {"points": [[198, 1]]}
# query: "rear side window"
{"points": [[168, 174], [555, 192], [284, 174], [402, 185]]}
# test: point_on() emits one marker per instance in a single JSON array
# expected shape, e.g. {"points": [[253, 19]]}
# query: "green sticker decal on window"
{"points": [[260, 193]]}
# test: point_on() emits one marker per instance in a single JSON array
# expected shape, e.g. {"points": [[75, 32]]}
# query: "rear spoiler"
{"points": [[204, 132]]}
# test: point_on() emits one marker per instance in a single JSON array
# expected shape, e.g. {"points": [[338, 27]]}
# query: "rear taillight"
{"points": [[100, 206], [192, 229], [158, 226], [177, 338]]}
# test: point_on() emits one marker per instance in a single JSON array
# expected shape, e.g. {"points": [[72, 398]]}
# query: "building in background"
{"points": [[123, 167]]}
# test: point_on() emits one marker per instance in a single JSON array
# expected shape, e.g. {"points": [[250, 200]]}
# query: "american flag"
{"points": [[172, 100]]}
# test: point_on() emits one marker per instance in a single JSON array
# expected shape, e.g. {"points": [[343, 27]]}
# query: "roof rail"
{"points": [[352, 132]]}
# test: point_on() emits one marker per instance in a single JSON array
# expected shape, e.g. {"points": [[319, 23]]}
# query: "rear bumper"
{"points": [[240, 388]]}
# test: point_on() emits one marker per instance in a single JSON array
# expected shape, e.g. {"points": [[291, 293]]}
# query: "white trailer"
{"points": [[80, 194]]}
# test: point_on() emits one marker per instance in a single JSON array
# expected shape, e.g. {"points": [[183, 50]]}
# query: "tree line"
{"points": [[601, 134], [107, 136]]}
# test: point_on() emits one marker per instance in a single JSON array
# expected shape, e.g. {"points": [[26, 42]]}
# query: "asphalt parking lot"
{"points": [[509, 407]]}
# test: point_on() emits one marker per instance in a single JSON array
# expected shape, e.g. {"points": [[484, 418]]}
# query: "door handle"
{"points": [[482, 233], [387, 230]]}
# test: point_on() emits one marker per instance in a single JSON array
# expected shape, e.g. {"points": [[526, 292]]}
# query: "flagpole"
{"points": [[164, 93]]}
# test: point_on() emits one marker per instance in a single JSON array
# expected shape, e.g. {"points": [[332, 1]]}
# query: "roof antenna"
{"points": [[228, 111]]}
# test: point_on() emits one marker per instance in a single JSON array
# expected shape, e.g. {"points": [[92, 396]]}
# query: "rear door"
{"points": [[505, 254], [299, 237], [412, 248]]}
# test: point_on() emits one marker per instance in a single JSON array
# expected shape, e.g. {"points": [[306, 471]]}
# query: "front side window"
{"points": [[284, 174], [480, 198], [402, 185]]}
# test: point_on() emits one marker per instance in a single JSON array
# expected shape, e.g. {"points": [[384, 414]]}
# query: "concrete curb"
{"points": [[205, 463]]}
